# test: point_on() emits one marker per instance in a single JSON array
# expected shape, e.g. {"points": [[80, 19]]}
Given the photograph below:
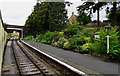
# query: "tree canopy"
{"points": [[110, 17], [92, 7], [46, 16], [83, 17]]}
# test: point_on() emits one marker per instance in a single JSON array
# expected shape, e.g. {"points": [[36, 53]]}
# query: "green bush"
{"points": [[115, 52], [28, 38], [43, 41], [79, 48], [74, 42], [113, 37], [61, 41], [83, 17], [67, 45], [79, 41], [86, 47], [48, 37], [57, 36], [40, 37], [72, 30], [97, 47], [100, 47]]}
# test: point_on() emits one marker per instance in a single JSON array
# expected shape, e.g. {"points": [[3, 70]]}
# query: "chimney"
{"points": [[72, 13]]}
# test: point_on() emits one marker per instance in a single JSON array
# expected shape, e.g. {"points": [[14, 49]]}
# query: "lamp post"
{"points": [[107, 30], [68, 3]]}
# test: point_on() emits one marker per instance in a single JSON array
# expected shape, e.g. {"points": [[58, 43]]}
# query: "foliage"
{"points": [[74, 42], [28, 38], [86, 47], [89, 37], [110, 17], [83, 41], [40, 37], [83, 17], [92, 7], [57, 35], [113, 36], [72, 30], [37, 22], [97, 47], [67, 45], [115, 52], [57, 16], [46, 16], [114, 43], [60, 42], [47, 37]]}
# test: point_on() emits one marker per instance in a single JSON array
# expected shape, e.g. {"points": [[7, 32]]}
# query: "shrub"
{"points": [[115, 52], [97, 47], [43, 41], [86, 47], [49, 36], [28, 38], [61, 41], [57, 36], [74, 42], [40, 37], [67, 45], [87, 39], [113, 37], [79, 41], [72, 30], [83, 17], [79, 47]]}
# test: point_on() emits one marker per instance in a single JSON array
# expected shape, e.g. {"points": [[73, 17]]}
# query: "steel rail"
{"points": [[18, 63], [56, 60]]}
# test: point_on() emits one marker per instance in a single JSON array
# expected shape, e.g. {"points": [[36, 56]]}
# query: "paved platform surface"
{"points": [[89, 62]]}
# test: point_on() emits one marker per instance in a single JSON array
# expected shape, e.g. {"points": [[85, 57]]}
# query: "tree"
{"points": [[57, 16], [110, 17], [92, 6], [83, 17], [37, 21], [47, 16]]}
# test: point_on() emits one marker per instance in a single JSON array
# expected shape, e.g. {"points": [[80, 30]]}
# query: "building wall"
{"points": [[73, 19], [3, 37]]}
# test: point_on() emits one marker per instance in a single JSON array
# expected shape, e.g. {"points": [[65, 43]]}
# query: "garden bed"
{"points": [[77, 38]]}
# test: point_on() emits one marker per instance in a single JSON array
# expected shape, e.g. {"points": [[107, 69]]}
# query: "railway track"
{"points": [[28, 64], [31, 61]]}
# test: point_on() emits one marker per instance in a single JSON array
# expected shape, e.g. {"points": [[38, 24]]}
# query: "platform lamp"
{"points": [[38, 1], [107, 30], [68, 3]]}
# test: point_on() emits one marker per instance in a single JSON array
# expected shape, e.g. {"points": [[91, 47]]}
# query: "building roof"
{"points": [[73, 18]]}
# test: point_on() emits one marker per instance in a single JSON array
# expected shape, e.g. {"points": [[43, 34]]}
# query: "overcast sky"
{"points": [[16, 11]]}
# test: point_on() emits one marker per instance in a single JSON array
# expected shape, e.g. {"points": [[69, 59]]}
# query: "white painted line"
{"points": [[66, 65]]}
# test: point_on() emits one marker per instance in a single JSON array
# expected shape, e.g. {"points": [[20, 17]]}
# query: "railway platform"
{"points": [[87, 64]]}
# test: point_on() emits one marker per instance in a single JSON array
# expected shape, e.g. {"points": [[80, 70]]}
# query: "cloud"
{"points": [[76, 3], [16, 12]]}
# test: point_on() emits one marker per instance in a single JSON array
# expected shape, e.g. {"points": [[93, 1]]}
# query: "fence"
{"points": [[3, 37]]}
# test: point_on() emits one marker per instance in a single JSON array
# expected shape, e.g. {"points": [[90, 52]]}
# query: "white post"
{"points": [[108, 43]]}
